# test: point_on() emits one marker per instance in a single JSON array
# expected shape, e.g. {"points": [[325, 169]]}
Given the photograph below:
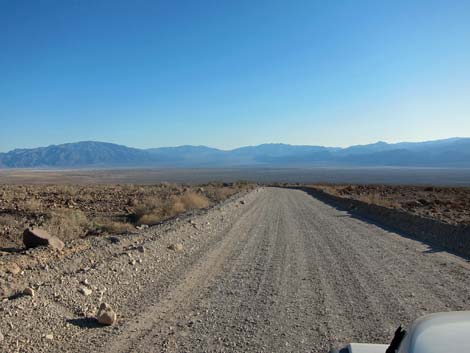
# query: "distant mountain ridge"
{"points": [[453, 152]]}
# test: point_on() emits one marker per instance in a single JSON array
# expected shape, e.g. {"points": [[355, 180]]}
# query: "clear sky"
{"points": [[232, 73]]}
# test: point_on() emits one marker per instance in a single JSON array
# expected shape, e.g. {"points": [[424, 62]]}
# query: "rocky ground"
{"points": [[444, 204], [74, 211], [273, 270]]}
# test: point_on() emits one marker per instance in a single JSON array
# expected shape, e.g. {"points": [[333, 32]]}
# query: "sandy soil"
{"points": [[278, 272]]}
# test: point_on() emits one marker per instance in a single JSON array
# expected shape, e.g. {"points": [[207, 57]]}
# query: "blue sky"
{"points": [[233, 73]]}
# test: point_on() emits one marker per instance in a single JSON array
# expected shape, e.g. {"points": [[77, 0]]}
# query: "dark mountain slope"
{"points": [[80, 154]]}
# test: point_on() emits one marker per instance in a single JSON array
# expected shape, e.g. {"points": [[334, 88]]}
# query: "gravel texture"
{"points": [[280, 272]]}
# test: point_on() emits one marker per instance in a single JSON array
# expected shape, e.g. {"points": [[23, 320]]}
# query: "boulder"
{"points": [[33, 237], [106, 315]]}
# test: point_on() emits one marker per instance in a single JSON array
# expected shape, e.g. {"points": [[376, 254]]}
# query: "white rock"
{"points": [[85, 291], [50, 337]]}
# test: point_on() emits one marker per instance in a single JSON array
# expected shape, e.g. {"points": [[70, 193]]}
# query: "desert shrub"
{"points": [[192, 200], [66, 223], [7, 220], [223, 193], [33, 205], [153, 210], [69, 190], [150, 219], [111, 226], [330, 189], [146, 206]]}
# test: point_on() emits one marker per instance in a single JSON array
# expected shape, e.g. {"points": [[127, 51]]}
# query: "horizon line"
{"points": [[235, 148]]}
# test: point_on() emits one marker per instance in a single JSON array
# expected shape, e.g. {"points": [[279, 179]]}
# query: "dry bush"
{"points": [[113, 227], [376, 198], [224, 193], [7, 220], [153, 210], [193, 200], [330, 189], [66, 223], [69, 190], [147, 206], [150, 219], [33, 205], [371, 197]]}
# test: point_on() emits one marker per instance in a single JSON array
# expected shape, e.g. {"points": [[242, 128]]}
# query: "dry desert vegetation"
{"points": [[75, 211], [445, 204]]}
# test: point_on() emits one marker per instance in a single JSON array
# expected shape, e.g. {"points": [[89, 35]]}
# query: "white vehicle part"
{"points": [[447, 332], [366, 348], [438, 333]]}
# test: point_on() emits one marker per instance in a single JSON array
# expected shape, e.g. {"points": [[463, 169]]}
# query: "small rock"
{"points": [[106, 315], [1, 337], [114, 240], [176, 247], [50, 337], [141, 248], [33, 237], [29, 291], [242, 202], [85, 291], [85, 282]]}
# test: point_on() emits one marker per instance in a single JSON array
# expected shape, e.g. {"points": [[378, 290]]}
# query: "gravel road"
{"points": [[278, 272]]}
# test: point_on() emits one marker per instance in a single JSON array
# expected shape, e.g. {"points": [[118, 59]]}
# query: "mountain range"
{"points": [[453, 152]]}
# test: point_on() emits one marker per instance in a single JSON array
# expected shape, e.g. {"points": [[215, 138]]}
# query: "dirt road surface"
{"points": [[278, 272]]}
